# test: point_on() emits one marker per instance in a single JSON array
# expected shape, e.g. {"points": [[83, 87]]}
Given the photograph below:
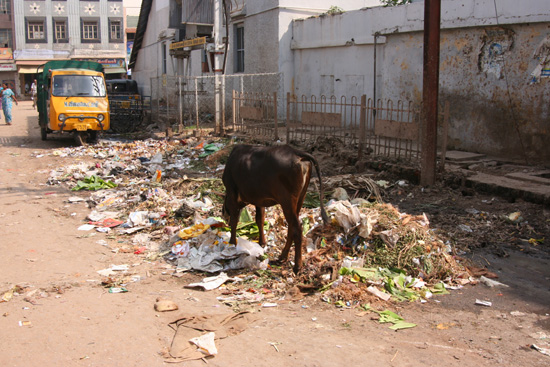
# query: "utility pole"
{"points": [[430, 91]]}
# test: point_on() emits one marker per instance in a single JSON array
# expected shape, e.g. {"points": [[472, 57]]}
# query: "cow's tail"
{"points": [[312, 159]]}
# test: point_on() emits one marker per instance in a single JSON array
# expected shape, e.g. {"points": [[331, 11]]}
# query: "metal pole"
{"points": [[222, 130], [197, 101], [180, 105], [430, 90], [374, 79], [276, 122], [218, 61]]}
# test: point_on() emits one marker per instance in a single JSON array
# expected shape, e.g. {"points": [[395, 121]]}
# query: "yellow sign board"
{"points": [[188, 43]]}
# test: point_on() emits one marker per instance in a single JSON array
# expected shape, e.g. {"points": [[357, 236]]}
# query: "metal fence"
{"points": [[251, 104], [395, 131], [255, 115], [385, 128], [311, 117], [191, 101]]}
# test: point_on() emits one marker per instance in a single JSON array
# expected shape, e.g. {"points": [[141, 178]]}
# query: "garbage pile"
{"points": [[162, 199]]}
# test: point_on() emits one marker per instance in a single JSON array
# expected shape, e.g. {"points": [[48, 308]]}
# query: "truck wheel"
{"points": [[80, 138], [43, 132], [92, 139]]}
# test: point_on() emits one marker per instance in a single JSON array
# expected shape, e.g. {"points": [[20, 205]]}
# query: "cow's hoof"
{"points": [[277, 262], [297, 269]]}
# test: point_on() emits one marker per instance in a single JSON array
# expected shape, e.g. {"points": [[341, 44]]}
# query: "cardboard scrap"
{"points": [[188, 327], [212, 282]]}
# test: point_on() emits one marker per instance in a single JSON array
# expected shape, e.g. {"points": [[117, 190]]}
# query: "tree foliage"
{"points": [[395, 2], [334, 10]]}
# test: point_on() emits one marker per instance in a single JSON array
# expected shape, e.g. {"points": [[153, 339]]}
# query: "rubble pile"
{"points": [[162, 199]]}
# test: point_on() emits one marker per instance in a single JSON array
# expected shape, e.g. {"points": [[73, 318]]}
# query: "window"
{"points": [[5, 38], [78, 85], [115, 30], [60, 30], [90, 30], [5, 7], [239, 48], [36, 30]]}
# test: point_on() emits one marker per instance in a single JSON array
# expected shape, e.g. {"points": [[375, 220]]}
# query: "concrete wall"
{"points": [[149, 62], [485, 67], [268, 33]]}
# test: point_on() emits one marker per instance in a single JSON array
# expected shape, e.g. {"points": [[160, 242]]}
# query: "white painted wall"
{"points": [[132, 6], [334, 55], [268, 33], [342, 45], [148, 62]]}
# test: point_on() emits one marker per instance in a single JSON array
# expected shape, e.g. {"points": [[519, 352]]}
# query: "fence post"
{"points": [[222, 131], [217, 103], [151, 101], [362, 126], [165, 82], [159, 93], [180, 105], [276, 121], [197, 102], [234, 109], [287, 117]]}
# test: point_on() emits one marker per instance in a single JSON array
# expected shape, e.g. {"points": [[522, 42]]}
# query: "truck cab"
{"points": [[72, 97]]}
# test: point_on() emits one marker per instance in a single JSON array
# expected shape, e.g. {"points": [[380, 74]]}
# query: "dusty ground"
{"points": [[70, 320]]}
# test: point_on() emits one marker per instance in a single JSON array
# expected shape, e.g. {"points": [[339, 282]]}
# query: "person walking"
{"points": [[33, 93], [1, 90], [7, 97]]}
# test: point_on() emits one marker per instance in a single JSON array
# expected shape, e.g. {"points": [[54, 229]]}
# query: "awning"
{"points": [[32, 62], [115, 70], [27, 69]]}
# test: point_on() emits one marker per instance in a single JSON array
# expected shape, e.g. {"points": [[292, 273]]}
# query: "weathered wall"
{"points": [[485, 67], [261, 41], [148, 62], [485, 74], [268, 32]]}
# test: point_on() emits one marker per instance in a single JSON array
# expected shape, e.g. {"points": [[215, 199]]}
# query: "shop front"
{"points": [[8, 70], [26, 70], [114, 68]]}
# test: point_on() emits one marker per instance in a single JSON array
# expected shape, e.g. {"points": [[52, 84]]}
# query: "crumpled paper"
{"points": [[191, 327], [212, 253], [349, 217]]}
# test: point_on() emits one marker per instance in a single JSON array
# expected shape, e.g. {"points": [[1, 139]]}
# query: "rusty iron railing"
{"points": [[385, 128], [255, 115]]}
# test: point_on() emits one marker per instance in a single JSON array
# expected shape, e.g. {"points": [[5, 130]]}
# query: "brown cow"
{"points": [[266, 176]]}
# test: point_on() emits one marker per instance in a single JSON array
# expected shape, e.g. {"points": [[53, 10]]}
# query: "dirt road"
{"points": [[63, 317]]}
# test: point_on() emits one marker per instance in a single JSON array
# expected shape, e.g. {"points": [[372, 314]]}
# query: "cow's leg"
{"points": [[233, 221], [294, 236], [260, 218], [234, 211]]}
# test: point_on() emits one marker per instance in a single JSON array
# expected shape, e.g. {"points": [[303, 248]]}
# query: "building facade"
{"points": [[68, 29], [8, 70], [494, 58], [494, 67], [188, 38]]}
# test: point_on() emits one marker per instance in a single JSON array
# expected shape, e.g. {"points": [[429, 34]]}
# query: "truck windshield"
{"points": [[78, 85]]}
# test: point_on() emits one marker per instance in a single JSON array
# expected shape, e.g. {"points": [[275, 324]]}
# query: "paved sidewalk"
{"points": [[502, 178]]}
